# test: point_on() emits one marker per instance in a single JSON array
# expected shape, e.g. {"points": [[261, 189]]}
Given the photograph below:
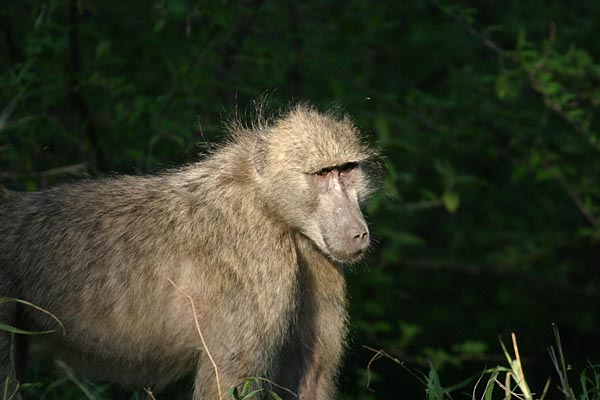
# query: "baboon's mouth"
{"points": [[357, 255], [347, 257], [341, 254]]}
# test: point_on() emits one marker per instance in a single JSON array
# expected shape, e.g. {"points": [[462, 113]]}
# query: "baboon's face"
{"points": [[337, 225], [323, 205], [312, 170]]}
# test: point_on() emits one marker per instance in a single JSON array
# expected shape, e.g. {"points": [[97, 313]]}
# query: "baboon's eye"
{"points": [[324, 171], [347, 166], [340, 168]]}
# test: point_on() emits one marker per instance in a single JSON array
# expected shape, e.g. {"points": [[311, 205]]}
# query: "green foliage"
{"points": [[589, 380], [12, 329], [10, 387], [487, 116], [251, 389]]}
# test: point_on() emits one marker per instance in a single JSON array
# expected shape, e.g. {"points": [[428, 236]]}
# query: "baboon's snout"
{"points": [[343, 227], [357, 237]]}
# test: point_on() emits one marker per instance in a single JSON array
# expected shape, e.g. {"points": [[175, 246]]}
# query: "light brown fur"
{"points": [[255, 233]]}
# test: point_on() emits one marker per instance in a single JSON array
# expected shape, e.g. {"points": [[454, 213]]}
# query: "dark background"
{"points": [[487, 222]]}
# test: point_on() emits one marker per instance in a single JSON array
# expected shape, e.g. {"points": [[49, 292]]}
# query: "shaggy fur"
{"points": [[255, 233]]}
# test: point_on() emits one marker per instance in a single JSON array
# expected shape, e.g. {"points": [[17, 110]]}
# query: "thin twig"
{"points": [[558, 108], [258, 378], [381, 353], [585, 211], [377, 356], [8, 111], [506, 387], [517, 356], [474, 32], [149, 393], [487, 384], [214, 364], [561, 366], [508, 392]]}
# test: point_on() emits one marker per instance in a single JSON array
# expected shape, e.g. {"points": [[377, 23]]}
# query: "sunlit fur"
{"points": [[238, 231]]}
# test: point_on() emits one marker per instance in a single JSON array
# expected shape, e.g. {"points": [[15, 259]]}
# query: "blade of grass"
{"points": [[558, 360]]}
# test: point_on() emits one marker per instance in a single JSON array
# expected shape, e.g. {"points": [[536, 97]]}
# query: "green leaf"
{"points": [[451, 201], [247, 385], [491, 383], [233, 393], [159, 25], [12, 329], [252, 394], [102, 48], [274, 395]]}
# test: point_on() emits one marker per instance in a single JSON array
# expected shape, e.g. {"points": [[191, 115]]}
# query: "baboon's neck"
{"points": [[224, 193]]}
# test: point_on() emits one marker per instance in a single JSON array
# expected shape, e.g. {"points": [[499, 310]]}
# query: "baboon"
{"points": [[254, 236]]}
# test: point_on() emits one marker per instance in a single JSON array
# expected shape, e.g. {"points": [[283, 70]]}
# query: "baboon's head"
{"points": [[312, 168]]}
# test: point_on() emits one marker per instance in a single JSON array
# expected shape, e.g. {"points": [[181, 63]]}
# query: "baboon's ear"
{"points": [[259, 157]]}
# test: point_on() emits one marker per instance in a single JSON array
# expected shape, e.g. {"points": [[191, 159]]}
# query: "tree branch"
{"points": [[237, 37], [79, 104], [15, 52]]}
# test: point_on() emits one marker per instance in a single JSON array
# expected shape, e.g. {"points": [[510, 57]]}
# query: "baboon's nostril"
{"points": [[361, 237]]}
